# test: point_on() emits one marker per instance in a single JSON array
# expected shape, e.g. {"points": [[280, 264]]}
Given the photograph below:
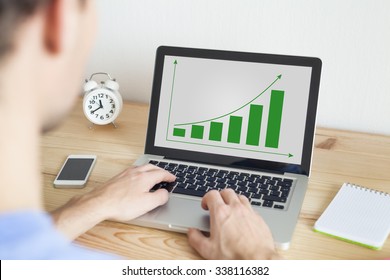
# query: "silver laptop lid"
{"points": [[255, 111]]}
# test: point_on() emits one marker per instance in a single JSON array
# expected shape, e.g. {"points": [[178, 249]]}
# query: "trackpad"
{"points": [[182, 213]]}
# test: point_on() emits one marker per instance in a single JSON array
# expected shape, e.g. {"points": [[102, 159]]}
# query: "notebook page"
{"points": [[358, 214]]}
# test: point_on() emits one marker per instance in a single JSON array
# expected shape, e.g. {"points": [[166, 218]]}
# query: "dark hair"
{"points": [[12, 13]]}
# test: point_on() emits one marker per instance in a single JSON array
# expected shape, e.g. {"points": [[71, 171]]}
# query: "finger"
{"points": [[151, 201], [229, 196], [154, 177], [245, 201], [211, 200], [199, 242], [158, 198]]}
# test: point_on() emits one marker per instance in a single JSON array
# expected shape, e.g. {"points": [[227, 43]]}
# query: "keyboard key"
{"points": [[189, 192], [274, 188], [241, 183], [285, 184], [278, 206], [211, 184], [284, 194], [221, 180], [251, 179], [180, 179], [181, 186], [265, 192], [221, 174], [191, 176], [256, 196], [200, 182], [271, 182], [253, 190], [275, 193], [231, 182], [256, 203], [154, 162], [221, 186], [275, 198], [190, 181], [240, 178], [211, 179], [200, 172], [268, 203]]}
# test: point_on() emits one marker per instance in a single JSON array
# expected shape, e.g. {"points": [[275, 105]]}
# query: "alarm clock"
{"points": [[102, 101]]}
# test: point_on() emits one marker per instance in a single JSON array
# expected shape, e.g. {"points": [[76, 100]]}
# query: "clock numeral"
{"points": [[112, 111], [92, 101], [94, 97], [101, 95], [107, 116], [107, 96], [112, 106], [96, 115], [101, 117], [89, 106], [111, 101], [92, 112]]}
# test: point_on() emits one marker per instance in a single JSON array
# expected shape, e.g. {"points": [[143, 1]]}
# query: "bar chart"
{"points": [[212, 130]]}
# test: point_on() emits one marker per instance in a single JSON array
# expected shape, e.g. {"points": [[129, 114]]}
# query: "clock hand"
{"points": [[93, 112], [101, 105]]}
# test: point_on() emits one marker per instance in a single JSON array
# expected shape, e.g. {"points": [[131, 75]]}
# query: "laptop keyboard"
{"points": [[261, 190]]}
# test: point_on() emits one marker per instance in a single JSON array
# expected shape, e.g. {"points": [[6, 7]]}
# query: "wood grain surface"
{"points": [[339, 156]]}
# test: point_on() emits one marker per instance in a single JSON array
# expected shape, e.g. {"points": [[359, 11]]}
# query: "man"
{"points": [[43, 49]]}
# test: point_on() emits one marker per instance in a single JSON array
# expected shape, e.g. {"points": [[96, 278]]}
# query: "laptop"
{"points": [[224, 119]]}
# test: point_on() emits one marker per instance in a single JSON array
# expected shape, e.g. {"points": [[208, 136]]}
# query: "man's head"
{"points": [[43, 49]]}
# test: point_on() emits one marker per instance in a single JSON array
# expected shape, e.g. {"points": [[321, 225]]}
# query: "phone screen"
{"points": [[75, 169]]}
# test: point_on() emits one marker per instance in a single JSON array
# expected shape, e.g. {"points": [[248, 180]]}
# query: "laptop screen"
{"points": [[235, 105]]}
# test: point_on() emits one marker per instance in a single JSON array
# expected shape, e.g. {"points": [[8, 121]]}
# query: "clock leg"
{"points": [[91, 125], [113, 123]]}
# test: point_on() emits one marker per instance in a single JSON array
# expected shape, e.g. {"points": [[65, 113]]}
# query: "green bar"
{"points": [[254, 125], [197, 132], [234, 132], [215, 131], [179, 132], [274, 119]]}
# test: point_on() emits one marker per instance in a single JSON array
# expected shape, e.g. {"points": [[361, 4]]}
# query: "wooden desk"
{"points": [[339, 156]]}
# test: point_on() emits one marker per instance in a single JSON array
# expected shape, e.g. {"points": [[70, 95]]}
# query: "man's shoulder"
{"points": [[32, 235]]}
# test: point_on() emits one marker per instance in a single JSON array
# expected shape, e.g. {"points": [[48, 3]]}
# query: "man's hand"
{"points": [[123, 198], [236, 230]]}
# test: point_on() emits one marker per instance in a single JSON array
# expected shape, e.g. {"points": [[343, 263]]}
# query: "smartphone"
{"points": [[75, 171]]}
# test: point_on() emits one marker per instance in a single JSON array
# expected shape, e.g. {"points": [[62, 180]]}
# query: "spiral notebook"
{"points": [[358, 215]]}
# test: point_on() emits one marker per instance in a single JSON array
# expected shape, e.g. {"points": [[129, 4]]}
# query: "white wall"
{"points": [[352, 37]]}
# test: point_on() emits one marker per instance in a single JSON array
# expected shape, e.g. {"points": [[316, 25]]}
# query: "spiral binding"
{"points": [[367, 189]]}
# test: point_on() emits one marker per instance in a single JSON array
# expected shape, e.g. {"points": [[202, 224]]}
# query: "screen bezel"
{"points": [[230, 161]]}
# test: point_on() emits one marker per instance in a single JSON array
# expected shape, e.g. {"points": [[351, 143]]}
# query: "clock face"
{"points": [[101, 106]]}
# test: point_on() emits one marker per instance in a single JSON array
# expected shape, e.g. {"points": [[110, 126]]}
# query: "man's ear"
{"points": [[54, 16]]}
